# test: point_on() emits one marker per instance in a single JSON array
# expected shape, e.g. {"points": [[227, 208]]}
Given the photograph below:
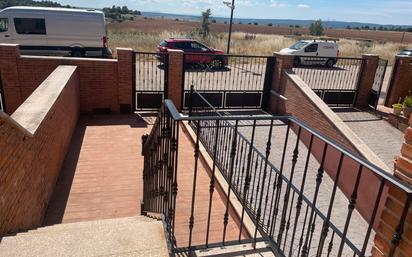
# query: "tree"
{"points": [[205, 22], [316, 28]]}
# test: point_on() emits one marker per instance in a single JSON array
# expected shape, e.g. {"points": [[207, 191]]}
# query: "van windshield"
{"points": [[298, 45]]}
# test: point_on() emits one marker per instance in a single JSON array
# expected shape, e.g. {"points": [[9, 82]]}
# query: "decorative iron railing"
{"points": [[305, 195], [229, 81], [335, 80]]}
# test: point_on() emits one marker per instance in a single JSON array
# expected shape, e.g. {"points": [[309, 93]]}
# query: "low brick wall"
{"points": [[34, 141], [104, 84]]}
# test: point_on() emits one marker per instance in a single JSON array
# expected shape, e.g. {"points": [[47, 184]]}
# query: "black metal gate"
{"points": [[336, 85], [377, 84], [2, 102], [228, 81], [150, 75]]}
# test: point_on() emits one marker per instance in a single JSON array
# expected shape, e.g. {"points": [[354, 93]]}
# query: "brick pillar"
{"points": [[283, 62], [175, 79], [400, 81], [389, 229], [9, 55], [125, 79], [371, 63]]}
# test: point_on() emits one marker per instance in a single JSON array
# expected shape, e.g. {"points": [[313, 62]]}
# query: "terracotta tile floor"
{"points": [[102, 178]]}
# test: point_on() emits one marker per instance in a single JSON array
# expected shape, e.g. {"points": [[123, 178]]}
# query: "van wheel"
{"points": [[77, 52], [296, 62], [330, 63]]}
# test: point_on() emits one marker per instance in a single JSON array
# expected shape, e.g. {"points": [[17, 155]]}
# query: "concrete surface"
{"points": [[111, 237]]}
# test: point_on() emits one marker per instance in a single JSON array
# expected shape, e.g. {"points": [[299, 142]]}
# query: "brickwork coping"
{"points": [[400, 81], [391, 232]]}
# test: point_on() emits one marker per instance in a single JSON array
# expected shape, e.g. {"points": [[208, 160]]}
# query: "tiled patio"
{"points": [[102, 178]]}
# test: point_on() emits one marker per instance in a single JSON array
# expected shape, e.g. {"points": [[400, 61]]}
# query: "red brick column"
{"points": [[175, 80], [400, 81], [125, 79], [283, 62], [367, 78], [9, 53], [394, 207]]}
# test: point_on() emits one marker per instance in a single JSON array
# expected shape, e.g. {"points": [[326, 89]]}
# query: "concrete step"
{"points": [[137, 236], [78, 225]]}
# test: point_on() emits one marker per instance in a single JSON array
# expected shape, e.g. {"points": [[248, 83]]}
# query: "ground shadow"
{"points": [[350, 114], [58, 202]]}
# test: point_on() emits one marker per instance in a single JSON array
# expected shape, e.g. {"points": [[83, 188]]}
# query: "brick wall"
{"points": [[392, 235], [33, 150], [370, 65], [400, 81], [104, 84]]}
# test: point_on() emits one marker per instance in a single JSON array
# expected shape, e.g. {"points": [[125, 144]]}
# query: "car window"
{"points": [[311, 48], [198, 47], [181, 45], [4, 24], [163, 43], [30, 26]]}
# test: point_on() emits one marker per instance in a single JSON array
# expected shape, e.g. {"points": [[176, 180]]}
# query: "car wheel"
{"points": [[77, 52], [217, 64], [296, 62], [330, 63]]}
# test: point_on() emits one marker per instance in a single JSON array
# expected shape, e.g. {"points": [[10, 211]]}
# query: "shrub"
{"points": [[316, 28]]}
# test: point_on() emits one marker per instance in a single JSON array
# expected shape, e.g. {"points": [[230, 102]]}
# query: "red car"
{"points": [[197, 53]]}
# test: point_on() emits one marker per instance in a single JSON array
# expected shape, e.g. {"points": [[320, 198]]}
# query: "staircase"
{"points": [[132, 236]]}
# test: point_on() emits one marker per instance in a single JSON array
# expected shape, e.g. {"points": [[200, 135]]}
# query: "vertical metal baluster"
{"points": [[288, 221], [319, 176], [330, 246], [300, 197], [288, 188], [196, 155], [325, 227], [267, 154], [303, 229], [247, 178], [279, 182], [175, 183], [351, 207], [400, 228], [232, 162], [372, 220], [312, 231], [212, 183]]}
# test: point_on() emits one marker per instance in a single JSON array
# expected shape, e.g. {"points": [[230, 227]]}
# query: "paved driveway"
{"points": [[378, 134]]}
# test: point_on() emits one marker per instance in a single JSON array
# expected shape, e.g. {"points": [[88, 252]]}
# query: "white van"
{"points": [[318, 52], [55, 31]]}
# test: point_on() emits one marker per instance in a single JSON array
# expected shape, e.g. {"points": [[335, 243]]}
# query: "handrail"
{"points": [[176, 115]]}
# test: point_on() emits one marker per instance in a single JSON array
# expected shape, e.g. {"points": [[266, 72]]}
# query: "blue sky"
{"points": [[375, 11]]}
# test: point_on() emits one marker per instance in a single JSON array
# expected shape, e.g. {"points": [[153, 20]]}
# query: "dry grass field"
{"points": [[145, 34]]}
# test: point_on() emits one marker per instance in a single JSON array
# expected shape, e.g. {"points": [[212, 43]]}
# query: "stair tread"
{"points": [[116, 237]]}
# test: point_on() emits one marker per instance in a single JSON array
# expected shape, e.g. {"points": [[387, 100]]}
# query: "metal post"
{"points": [[232, 8]]}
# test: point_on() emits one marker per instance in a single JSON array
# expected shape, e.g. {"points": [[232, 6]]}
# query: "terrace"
{"points": [[100, 157]]}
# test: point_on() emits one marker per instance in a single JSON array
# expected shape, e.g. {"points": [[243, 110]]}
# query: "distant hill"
{"points": [[280, 22]]}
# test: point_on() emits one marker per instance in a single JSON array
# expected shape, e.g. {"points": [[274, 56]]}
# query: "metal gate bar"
{"points": [[2, 100], [150, 79], [377, 84]]}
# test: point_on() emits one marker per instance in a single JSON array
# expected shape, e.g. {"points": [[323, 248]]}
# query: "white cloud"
{"points": [[276, 4], [303, 6]]}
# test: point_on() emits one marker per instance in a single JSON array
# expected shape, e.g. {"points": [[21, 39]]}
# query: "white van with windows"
{"points": [[314, 52], [55, 31]]}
